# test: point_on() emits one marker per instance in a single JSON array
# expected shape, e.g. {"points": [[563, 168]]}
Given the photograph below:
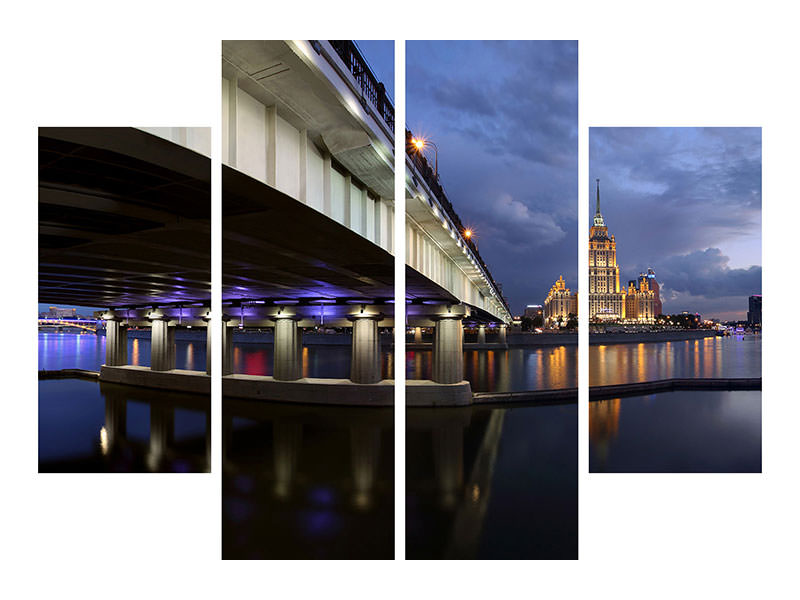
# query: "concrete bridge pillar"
{"points": [[365, 357], [448, 350], [162, 345], [417, 335], [288, 349], [227, 347], [209, 344], [116, 343], [481, 333], [501, 334]]}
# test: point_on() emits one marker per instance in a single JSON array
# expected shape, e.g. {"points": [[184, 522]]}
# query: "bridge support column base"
{"points": [[448, 350], [501, 334], [426, 393], [481, 333], [116, 344], [227, 348], [365, 363], [288, 350], [162, 346]]}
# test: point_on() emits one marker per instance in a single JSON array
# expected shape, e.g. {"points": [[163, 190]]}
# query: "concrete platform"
{"points": [[426, 393], [310, 390], [601, 392], [177, 380], [527, 397]]}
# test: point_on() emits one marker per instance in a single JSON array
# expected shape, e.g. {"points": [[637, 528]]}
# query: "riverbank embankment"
{"points": [[650, 336]]}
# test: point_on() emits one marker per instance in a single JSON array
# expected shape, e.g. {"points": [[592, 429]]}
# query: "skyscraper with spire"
{"points": [[606, 299]]}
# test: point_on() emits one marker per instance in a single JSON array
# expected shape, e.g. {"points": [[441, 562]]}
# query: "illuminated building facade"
{"points": [[658, 308], [640, 301], [560, 302], [607, 302]]}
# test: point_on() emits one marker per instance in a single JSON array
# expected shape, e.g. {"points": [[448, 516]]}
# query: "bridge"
{"points": [[84, 324], [308, 212], [308, 221], [448, 285], [124, 223]]}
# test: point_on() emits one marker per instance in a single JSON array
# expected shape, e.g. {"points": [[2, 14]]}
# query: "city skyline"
{"points": [[504, 117], [686, 202]]}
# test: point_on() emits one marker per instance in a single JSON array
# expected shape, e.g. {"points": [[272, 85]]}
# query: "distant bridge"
{"points": [[85, 324]]}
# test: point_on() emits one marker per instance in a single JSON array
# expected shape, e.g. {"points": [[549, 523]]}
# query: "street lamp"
{"points": [[420, 145], [468, 235]]}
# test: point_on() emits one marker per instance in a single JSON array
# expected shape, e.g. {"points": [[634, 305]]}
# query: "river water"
{"points": [[88, 351], [89, 426], [307, 481], [512, 370], [492, 483], [683, 431], [734, 356], [677, 432], [328, 361]]}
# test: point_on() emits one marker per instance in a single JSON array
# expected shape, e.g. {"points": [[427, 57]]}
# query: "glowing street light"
{"points": [[420, 145]]}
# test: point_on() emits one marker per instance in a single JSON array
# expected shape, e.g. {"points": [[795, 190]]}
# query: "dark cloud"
{"points": [[687, 202], [706, 273], [504, 115]]}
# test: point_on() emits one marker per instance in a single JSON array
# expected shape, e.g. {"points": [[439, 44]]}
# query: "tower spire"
{"points": [[598, 197], [598, 218]]}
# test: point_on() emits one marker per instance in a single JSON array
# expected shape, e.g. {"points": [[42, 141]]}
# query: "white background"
{"points": [[157, 64]]}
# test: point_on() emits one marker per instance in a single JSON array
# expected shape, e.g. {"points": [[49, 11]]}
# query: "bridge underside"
{"points": [[124, 219], [421, 293], [276, 248]]}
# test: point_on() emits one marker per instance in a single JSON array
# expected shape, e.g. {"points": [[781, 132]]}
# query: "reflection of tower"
{"points": [[286, 439], [603, 425], [365, 445]]}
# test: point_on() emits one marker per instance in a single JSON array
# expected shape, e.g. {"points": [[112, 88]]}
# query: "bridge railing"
{"points": [[371, 89], [429, 175]]}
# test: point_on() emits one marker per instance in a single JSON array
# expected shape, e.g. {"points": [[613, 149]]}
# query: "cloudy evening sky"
{"points": [[687, 202], [504, 116]]}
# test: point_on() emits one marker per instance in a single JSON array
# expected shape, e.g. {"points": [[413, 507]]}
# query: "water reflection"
{"points": [[307, 481], [735, 356], [84, 426], [492, 483], [685, 431], [88, 351], [515, 369], [327, 361]]}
